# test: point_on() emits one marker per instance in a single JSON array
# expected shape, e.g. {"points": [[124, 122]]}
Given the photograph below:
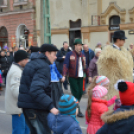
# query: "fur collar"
{"points": [[110, 117]]}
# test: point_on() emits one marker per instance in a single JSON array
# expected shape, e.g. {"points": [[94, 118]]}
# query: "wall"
{"points": [[64, 10], [96, 37], [58, 39], [12, 22], [123, 4], [130, 38]]}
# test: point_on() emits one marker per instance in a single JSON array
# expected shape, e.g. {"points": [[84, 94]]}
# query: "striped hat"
{"points": [[68, 105], [102, 80], [99, 91]]}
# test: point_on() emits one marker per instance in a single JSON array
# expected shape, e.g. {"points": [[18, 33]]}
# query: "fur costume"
{"points": [[115, 65]]}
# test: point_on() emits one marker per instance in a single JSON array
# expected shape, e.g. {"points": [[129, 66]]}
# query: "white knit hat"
{"points": [[97, 50]]}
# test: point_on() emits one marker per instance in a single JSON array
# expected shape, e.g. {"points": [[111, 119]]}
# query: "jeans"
{"points": [[19, 125], [37, 121]]}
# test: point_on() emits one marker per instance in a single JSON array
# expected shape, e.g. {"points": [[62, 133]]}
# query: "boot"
{"points": [[79, 112], [1, 89]]}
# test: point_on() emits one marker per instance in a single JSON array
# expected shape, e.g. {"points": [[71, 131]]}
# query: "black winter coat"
{"points": [[119, 122], [4, 64], [35, 87], [60, 60], [9, 60]]}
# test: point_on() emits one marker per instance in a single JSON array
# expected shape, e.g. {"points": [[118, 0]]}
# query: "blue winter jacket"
{"points": [[55, 75], [63, 124], [119, 122], [35, 87], [91, 54]]}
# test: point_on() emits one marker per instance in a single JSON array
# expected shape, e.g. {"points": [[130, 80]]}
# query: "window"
{"points": [[74, 31], [3, 2], [114, 23], [20, 1], [115, 20]]}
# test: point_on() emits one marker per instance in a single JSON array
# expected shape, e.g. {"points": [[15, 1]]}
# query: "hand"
{"points": [[63, 79], [63, 57], [54, 111], [90, 79]]}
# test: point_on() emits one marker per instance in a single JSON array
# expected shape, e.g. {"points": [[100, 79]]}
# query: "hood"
{"points": [[37, 55], [112, 117], [59, 123]]}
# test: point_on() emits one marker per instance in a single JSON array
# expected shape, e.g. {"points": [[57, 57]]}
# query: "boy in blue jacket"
{"points": [[65, 122]]}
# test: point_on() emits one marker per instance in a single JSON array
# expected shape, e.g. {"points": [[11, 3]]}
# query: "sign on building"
{"points": [[95, 20]]}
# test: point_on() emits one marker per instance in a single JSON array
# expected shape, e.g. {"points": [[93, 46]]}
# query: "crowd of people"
{"points": [[36, 100]]}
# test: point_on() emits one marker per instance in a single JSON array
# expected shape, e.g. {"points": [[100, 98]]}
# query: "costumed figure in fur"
{"points": [[116, 62]]}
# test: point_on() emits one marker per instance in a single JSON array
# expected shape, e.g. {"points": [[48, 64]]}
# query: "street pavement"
{"points": [[6, 120]]}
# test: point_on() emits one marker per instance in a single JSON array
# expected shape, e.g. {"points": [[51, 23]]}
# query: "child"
{"points": [[57, 91], [97, 103], [65, 122], [121, 121]]}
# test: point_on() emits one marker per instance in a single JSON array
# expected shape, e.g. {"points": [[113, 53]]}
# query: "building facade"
{"points": [[18, 23], [92, 20]]}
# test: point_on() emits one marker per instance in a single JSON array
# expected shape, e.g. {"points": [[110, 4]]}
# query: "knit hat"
{"points": [[48, 47], [98, 44], [97, 50], [20, 55], [126, 92], [99, 91], [102, 80], [68, 105]]}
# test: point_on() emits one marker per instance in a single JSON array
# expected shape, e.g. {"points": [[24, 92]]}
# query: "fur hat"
{"points": [[126, 92], [99, 91], [102, 80]]}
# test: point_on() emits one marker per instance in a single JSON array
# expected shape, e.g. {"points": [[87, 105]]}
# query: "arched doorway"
{"points": [[3, 36], [22, 35]]}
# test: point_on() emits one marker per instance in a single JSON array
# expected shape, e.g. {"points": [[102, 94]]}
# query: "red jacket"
{"points": [[98, 107]]}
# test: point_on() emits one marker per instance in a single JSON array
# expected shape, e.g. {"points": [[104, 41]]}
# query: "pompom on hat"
{"points": [[126, 92]]}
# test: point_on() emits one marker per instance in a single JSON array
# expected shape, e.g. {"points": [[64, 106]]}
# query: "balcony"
{"points": [[3, 3], [20, 2]]}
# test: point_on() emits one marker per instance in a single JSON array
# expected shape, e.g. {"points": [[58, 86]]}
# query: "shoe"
{"points": [[80, 114], [1, 89], [84, 92]]}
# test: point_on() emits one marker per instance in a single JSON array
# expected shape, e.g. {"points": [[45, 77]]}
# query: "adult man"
{"points": [[4, 65], [19, 125], [89, 54], [35, 90], [75, 65], [115, 62], [61, 55]]}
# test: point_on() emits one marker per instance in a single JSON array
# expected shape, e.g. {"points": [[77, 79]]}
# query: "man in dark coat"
{"points": [[9, 59], [4, 65], [35, 90], [61, 55]]}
